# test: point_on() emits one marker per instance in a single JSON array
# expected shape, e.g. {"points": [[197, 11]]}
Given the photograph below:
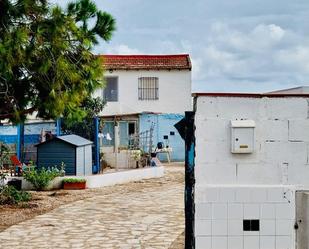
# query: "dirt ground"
{"points": [[46, 201]]}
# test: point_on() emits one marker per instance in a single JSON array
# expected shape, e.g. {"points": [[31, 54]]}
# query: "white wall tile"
{"points": [[227, 194], [251, 233], [285, 211], [275, 195], [203, 227], [203, 210], [235, 211], [202, 242], [259, 195], [267, 242], [235, 242], [199, 195], [219, 242], [284, 227], [251, 211], [219, 210], [251, 242], [211, 194], [235, 227], [284, 242], [243, 195], [219, 227], [268, 227], [268, 211]]}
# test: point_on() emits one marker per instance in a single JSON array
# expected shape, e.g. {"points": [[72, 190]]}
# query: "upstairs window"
{"points": [[148, 88], [110, 92]]}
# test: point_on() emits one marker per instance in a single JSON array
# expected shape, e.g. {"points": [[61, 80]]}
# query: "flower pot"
{"points": [[74, 185]]}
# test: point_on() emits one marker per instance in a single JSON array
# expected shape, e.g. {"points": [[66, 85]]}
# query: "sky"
{"points": [[234, 45]]}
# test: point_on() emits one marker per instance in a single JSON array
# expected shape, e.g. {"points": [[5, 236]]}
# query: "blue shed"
{"points": [[73, 150]]}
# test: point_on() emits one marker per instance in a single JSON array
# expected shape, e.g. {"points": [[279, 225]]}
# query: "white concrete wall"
{"points": [[232, 187], [109, 179], [124, 158], [281, 154], [174, 92]]}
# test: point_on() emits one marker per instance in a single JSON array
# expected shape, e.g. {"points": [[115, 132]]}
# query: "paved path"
{"points": [[150, 217]]}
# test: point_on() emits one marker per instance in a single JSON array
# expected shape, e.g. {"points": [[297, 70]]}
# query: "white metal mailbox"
{"points": [[242, 136]]}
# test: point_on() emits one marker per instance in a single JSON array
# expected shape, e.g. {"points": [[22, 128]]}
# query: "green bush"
{"points": [[73, 180], [40, 178], [10, 195]]}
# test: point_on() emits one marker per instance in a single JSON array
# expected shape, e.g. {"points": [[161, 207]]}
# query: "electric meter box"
{"points": [[242, 136]]}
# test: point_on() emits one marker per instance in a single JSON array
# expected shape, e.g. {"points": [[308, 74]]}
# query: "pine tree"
{"points": [[46, 63]]}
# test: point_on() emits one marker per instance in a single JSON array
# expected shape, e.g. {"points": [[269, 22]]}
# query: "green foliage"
{"points": [[4, 154], [4, 158], [40, 178], [85, 128], [73, 180], [46, 60], [11, 196]]}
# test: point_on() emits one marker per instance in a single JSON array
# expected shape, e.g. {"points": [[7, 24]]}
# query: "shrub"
{"points": [[10, 195], [40, 178], [73, 180]]}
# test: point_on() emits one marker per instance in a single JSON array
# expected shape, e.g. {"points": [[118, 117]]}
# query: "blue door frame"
{"points": [[186, 130]]}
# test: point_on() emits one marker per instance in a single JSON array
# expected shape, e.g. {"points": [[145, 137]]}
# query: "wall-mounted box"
{"points": [[242, 136]]}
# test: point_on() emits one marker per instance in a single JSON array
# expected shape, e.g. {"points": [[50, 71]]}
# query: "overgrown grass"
{"points": [[11, 196], [40, 178]]}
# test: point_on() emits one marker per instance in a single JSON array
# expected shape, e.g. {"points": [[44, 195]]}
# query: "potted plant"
{"points": [[74, 183]]}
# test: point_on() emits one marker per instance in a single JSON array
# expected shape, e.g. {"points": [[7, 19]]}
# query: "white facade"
{"points": [[261, 185], [174, 92]]}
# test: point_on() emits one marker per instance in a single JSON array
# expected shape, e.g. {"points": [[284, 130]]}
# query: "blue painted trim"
{"points": [[58, 127], [20, 141], [96, 167]]}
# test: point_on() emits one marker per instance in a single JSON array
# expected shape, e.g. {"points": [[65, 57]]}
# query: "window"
{"points": [[251, 225], [131, 128], [110, 92], [148, 88], [127, 128]]}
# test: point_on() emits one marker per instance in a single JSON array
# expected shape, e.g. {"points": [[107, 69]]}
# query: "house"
{"points": [[251, 170], [143, 93]]}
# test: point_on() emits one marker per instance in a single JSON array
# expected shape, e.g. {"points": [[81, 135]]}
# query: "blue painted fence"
{"points": [[164, 126], [24, 138]]}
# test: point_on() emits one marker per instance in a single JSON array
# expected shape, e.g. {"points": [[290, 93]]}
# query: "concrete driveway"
{"points": [[149, 217]]}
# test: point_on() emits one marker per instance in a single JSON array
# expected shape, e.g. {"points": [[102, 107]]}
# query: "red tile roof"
{"points": [[147, 62]]}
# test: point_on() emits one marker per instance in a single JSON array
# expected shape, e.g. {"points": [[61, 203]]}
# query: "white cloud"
{"points": [[295, 58], [263, 57], [239, 45], [122, 49]]}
